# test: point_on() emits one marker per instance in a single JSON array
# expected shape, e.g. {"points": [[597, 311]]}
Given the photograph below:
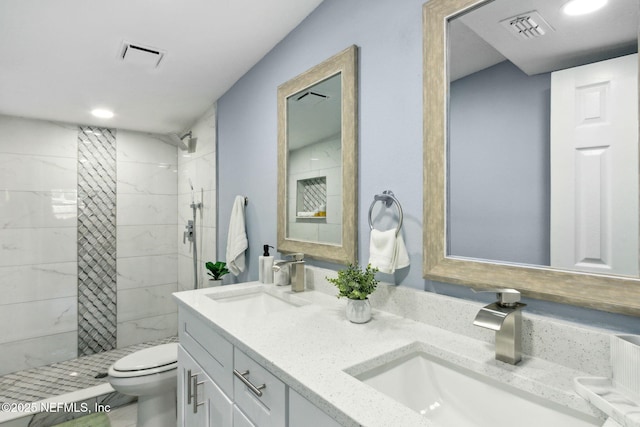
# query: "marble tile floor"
{"points": [[74, 381]]}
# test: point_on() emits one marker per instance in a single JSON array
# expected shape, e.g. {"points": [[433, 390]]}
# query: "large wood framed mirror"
{"points": [[524, 185], [317, 161]]}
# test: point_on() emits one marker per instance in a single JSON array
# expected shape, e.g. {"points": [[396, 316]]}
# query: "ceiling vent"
{"points": [[311, 98], [141, 55], [529, 25]]}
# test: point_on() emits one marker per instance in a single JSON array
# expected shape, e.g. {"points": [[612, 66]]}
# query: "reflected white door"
{"points": [[594, 167]]}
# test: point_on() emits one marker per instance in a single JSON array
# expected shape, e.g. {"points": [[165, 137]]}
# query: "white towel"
{"points": [[387, 252], [237, 241]]}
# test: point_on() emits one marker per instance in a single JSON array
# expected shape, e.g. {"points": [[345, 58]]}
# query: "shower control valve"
{"points": [[188, 233]]}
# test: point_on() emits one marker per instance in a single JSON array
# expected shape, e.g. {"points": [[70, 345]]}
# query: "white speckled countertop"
{"points": [[312, 347]]}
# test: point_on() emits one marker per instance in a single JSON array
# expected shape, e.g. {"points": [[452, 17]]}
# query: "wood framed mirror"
{"points": [[599, 288], [317, 161]]}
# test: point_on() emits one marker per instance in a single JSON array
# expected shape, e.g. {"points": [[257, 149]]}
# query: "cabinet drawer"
{"points": [[267, 410], [210, 349]]}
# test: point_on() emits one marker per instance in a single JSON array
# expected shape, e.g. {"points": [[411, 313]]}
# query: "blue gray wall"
{"points": [[499, 145], [389, 36]]}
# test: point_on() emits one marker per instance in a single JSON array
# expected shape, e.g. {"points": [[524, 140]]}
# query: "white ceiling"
{"points": [[60, 59], [311, 118], [571, 40]]}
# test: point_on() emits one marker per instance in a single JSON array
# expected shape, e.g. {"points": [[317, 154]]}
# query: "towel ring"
{"points": [[388, 199]]}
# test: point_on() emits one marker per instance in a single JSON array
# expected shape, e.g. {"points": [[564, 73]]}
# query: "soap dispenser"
{"points": [[265, 266]]}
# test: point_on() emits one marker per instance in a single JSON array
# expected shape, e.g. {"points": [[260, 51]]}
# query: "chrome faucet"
{"points": [[505, 317], [296, 276]]}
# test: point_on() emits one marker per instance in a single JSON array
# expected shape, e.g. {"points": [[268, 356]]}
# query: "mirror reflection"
{"points": [[317, 160], [314, 144], [543, 136]]}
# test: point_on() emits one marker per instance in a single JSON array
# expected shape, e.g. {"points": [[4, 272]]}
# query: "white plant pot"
{"points": [[358, 310], [211, 283]]}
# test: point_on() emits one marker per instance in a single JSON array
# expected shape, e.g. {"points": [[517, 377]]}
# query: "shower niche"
{"points": [[311, 199]]}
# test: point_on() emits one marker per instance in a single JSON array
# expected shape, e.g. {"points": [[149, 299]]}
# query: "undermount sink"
{"points": [[450, 395], [257, 300]]}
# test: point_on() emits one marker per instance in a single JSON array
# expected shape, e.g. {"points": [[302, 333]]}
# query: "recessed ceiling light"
{"points": [[102, 113], [582, 7]]}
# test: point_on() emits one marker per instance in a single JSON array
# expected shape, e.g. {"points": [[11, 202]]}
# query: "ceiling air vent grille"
{"points": [[141, 55], [529, 25]]}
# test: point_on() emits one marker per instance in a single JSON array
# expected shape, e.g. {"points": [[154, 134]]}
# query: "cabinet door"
{"points": [[201, 403], [304, 413], [239, 419]]}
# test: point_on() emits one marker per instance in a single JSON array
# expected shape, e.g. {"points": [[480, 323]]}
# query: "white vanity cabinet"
{"points": [[201, 402], [304, 413], [258, 393], [231, 388]]}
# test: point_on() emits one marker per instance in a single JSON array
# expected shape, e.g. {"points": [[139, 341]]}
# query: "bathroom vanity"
{"points": [[259, 355]]}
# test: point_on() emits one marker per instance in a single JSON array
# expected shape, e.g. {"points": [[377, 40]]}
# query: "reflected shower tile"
{"points": [[38, 282], [37, 246], [330, 233], [37, 173], [334, 209], [327, 154]]}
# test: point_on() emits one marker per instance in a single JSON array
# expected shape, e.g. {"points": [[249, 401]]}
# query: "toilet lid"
{"points": [[149, 358]]}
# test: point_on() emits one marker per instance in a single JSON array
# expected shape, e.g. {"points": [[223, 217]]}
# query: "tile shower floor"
{"points": [[68, 378]]}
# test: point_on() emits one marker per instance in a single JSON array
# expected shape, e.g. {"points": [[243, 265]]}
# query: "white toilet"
{"points": [[150, 374]]}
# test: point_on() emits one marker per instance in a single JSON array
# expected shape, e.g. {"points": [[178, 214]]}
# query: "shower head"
{"points": [[178, 141], [191, 144]]}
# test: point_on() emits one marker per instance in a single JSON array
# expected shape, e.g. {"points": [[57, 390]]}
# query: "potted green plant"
{"points": [[216, 271], [356, 284]]}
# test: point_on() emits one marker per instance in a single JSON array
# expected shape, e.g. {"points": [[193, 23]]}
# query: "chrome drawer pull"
{"points": [[253, 388], [189, 392], [195, 393]]}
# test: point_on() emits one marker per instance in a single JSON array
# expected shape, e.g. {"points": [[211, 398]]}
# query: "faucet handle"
{"points": [[506, 297], [296, 256]]}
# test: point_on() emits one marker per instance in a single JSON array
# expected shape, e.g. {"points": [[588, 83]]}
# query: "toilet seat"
{"points": [[153, 360]]}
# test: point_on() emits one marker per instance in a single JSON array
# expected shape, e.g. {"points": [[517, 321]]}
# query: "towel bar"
{"points": [[388, 199]]}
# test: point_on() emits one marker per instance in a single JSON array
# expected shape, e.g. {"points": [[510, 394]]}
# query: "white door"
{"points": [[594, 167]]}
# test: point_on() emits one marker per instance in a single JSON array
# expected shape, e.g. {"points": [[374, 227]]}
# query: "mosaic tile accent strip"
{"points": [[53, 380], [97, 319]]}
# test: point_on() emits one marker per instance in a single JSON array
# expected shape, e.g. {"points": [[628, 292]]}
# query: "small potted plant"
{"points": [[356, 285], [216, 271]]}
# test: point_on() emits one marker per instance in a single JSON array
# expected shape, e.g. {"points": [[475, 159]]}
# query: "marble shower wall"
{"points": [[39, 235], [147, 224], [200, 168], [38, 243]]}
